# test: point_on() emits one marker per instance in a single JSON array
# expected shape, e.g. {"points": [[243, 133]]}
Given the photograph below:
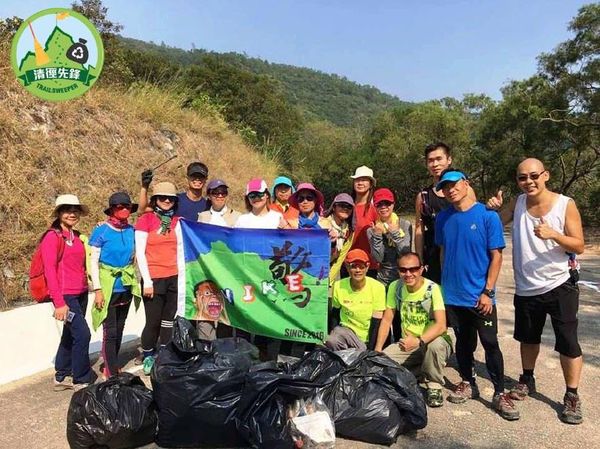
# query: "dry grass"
{"points": [[93, 146]]}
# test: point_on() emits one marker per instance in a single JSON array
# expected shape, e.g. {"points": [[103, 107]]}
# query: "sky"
{"points": [[416, 50]]}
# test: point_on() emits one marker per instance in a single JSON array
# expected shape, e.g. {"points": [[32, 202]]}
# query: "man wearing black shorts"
{"points": [[546, 231]]}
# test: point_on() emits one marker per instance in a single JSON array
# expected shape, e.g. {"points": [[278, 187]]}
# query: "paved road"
{"points": [[33, 416]]}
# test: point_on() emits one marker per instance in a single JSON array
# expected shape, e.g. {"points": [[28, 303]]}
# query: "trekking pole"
{"points": [[164, 162]]}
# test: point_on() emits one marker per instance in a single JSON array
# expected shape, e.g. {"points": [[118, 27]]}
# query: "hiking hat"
{"points": [[357, 255], [450, 176], [198, 169], [364, 172], [120, 198], [69, 200], [256, 185], [164, 188], [340, 198], [383, 195], [319, 200], [215, 183], [282, 180]]}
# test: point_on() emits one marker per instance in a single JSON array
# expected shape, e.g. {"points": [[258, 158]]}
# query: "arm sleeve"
{"points": [[379, 296], [376, 243], [495, 235], [49, 249], [95, 267], [141, 239], [403, 243]]}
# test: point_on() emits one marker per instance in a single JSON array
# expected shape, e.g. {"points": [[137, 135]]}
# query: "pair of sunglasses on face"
{"points": [[525, 176], [122, 206], [165, 198], [71, 209], [345, 206], [303, 198], [411, 270], [219, 193], [253, 196]]}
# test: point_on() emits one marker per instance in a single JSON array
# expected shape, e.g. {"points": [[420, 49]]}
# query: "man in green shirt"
{"points": [[425, 346], [360, 299]]}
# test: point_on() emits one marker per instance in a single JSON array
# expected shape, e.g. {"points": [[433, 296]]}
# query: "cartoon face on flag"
{"points": [[267, 282]]}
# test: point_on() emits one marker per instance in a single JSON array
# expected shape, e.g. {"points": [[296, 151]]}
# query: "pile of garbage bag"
{"points": [[117, 414]]}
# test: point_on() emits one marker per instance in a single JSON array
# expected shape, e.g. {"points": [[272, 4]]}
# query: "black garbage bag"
{"points": [[117, 414], [369, 396], [197, 386]]}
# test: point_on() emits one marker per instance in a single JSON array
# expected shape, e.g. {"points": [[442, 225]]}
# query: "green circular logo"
{"points": [[57, 54]]}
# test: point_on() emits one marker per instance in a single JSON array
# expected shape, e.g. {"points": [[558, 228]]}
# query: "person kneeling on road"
{"points": [[425, 346], [361, 301]]}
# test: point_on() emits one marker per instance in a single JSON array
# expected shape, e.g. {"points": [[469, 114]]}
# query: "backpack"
{"points": [[426, 302], [38, 287]]}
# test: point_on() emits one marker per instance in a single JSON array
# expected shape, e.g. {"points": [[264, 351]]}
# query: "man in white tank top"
{"points": [[546, 228]]}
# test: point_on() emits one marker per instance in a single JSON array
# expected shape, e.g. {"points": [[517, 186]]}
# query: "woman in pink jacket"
{"points": [[64, 256]]}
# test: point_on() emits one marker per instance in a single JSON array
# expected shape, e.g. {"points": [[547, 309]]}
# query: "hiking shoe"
{"points": [[505, 407], [571, 413], [463, 391], [524, 388], [62, 385], [78, 387], [434, 397], [148, 364]]}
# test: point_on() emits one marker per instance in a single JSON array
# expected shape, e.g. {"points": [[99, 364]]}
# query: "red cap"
{"points": [[357, 255], [383, 195]]}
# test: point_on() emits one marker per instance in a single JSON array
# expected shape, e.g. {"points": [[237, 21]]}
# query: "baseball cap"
{"points": [[450, 176], [197, 169], [256, 185], [357, 255], [215, 183], [383, 195]]}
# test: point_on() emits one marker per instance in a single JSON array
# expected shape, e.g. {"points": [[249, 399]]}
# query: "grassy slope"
{"points": [[321, 95], [93, 146]]}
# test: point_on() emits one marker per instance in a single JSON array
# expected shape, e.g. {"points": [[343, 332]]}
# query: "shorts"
{"points": [[562, 304]]}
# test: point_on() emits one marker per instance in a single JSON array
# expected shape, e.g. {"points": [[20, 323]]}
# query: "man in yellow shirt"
{"points": [[360, 299], [425, 346]]}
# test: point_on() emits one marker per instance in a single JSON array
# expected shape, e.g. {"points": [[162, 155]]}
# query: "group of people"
{"points": [[385, 295]]}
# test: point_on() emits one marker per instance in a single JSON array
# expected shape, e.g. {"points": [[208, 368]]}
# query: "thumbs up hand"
{"points": [[544, 231], [495, 202]]}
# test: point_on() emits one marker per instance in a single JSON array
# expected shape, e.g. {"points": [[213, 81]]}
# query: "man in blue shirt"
{"points": [[471, 242]]}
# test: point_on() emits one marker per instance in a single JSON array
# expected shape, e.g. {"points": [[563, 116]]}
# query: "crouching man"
{"points": [[425, 346], [361, 301]]}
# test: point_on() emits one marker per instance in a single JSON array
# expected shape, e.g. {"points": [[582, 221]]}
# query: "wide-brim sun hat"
{"points": [[69, 199], [164, 188], [120, 198], [364, 172], [320, 199], [282, 180]]}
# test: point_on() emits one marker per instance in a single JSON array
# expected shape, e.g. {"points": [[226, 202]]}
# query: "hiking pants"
{"points": [[160, 312], [344, 338], [112, 328], [72, 357]]}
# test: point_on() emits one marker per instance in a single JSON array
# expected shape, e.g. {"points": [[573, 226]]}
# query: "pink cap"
{"points": [[256, 185]]}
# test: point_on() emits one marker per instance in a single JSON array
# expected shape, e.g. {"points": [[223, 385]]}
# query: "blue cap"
{"points": [[450, 176], [281, 180]]}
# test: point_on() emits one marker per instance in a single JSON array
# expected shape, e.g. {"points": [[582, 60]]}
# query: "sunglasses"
{"points": [[253, 196], [219, 193], [165, 198], [303, 198], [197, 178], [412, 270], [534, 176], [122, 206], [384, 204], [345, 206], [71, 209], [358, 266]]}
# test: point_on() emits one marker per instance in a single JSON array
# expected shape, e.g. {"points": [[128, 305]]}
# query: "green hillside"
{"points": [[320, 95]]}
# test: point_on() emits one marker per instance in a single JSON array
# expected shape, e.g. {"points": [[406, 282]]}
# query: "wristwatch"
{"points": [[490, 293]]}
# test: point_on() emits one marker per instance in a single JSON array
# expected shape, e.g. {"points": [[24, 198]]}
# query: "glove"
{"points": [[147, 176]]}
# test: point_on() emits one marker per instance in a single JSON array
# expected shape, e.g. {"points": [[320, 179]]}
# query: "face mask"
{"points": [[122, 214]]}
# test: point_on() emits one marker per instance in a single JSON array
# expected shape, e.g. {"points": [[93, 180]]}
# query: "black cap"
{"points": [[120, 198], [198, 169]]}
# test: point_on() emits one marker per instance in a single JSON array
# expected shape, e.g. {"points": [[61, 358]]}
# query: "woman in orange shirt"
{"points": [[365, 213]]}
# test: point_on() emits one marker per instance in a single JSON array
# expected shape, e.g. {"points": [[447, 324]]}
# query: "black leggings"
{"points": [[468, 323], [160, 311], [112, 328]]}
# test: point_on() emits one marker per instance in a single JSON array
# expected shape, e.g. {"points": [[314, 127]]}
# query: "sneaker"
{"points": [[463, 391], [505, 407], [148, 364], [78, 387], [434, 397], [62, 385], [571, 413], [524, 388]]}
